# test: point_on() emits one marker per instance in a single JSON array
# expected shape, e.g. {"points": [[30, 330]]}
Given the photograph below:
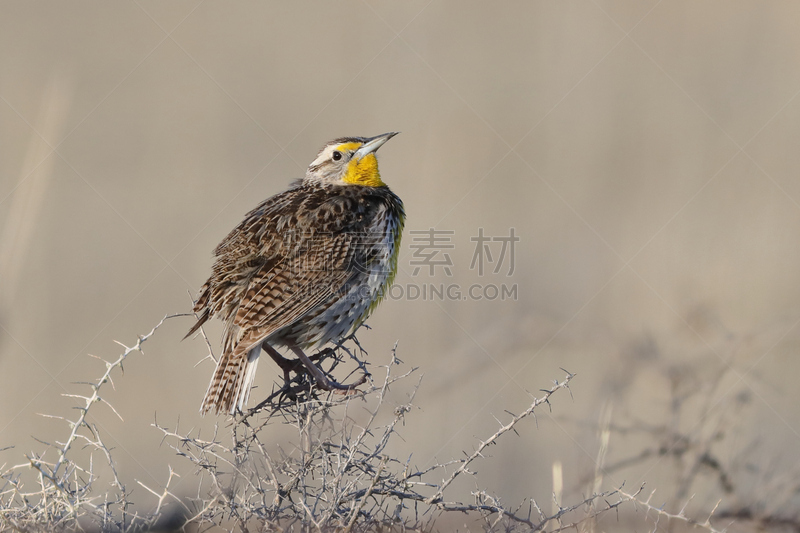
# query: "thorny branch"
{"points": [[660, 512], [64, 491], [338, 472], [506, 428]]}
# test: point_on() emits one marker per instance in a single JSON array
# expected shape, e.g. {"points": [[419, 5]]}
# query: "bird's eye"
{"points": [[337, 155]]}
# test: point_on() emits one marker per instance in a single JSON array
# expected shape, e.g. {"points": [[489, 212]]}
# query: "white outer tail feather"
{"points": [[241, 382], [249, 376]]}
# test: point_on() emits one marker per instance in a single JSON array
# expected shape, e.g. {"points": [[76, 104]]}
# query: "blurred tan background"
{"points": [[645, 154]]}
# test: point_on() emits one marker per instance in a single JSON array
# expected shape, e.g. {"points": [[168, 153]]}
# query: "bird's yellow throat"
{"points": [[364, 171]]}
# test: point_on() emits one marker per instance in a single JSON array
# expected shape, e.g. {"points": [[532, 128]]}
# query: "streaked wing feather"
{"points": [[280, 295]]}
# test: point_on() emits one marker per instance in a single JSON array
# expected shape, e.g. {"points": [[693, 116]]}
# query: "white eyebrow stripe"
{"points": [[323, 156]]}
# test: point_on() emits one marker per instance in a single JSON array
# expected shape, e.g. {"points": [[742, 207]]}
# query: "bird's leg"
{"points": [[322, 380], [285, 364]]}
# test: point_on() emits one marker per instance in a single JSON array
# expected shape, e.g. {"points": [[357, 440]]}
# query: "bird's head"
{"points": [[349, 160]]}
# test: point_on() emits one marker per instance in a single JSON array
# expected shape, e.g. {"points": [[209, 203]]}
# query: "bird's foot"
{"points": [[287, 365], [323, 382], [334, 386]]}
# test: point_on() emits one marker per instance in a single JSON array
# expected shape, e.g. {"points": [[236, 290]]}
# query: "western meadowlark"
{"points": [[303, 268]]}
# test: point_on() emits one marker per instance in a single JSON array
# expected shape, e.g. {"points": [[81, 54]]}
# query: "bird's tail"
{"points": [[230, 387]]}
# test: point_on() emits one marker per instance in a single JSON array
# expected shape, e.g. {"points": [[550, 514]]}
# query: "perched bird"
{"points": [[304, 268]]}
